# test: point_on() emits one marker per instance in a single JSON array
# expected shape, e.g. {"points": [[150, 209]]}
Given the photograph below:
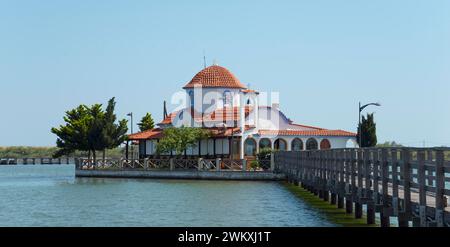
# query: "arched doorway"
{"points": [[280, 144], [265, 143], [250, 147], [297, 144], [311, 144], [325, 144]]}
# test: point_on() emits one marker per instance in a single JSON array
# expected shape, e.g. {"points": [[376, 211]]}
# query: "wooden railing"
{"points": [[165, 164], [411, 184], [35, 161]]}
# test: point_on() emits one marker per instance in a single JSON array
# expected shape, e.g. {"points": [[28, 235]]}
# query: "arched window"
{"points": [[351, 143], [250, 147], [191, 98], [265, 143], [181, 115], [226, 98], [249, 101], [311, 144], [296, 145], [325, 144], [280, 144]]}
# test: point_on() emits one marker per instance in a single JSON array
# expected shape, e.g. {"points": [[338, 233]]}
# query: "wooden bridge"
{"points": [[411, 184], [36, 161]]}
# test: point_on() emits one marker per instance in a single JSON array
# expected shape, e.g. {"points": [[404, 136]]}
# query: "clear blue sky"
{"points": [[322, 56]]}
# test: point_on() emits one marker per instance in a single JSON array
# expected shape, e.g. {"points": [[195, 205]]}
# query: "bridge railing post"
{"points": [[440, 188]]}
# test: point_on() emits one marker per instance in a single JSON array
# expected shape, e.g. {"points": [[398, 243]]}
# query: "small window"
{"points": [[191, 98], [226, 98]]}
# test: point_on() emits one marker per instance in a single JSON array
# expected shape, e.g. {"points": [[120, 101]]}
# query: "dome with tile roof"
{"points": [[215, 76]]}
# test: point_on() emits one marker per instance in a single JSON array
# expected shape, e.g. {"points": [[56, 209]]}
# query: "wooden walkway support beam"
{"points": [[407, 183]]}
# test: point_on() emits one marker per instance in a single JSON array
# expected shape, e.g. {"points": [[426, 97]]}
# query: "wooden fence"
{"points": [[411, 184], [36, 161], [166, 164]]}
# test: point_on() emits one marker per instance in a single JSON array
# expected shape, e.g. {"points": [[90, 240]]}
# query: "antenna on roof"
{"points": [[204, 59]]}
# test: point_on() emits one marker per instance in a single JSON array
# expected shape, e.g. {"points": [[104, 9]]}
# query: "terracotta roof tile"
{"points": [[215, 76], [148, 134], [319, 132]]}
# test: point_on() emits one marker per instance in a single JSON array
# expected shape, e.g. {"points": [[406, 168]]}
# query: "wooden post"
{"points": [[200, 164], [341, 192], [376, 164], [367, 188], [325, 177], [357, 189], [384, 213], [171, 164], [422, 192], [334, 178], [429, 172], [348, 172], [403, 219], [218, 164], [440, 187], [244, 165], [395, 182], [145, 163]]}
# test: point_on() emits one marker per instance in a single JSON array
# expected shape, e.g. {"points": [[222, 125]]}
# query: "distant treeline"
{"points": [[46, 152]]}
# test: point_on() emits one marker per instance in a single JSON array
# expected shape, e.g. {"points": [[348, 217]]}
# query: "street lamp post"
{"points": [[132, 153], [360, 108]]}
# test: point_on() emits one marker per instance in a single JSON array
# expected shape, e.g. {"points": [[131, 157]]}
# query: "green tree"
{"points": [[146, 123], [264, 153], [368, 132], [73, 135], [90, 129], [389, 144], [180, 139], [114, 133]]}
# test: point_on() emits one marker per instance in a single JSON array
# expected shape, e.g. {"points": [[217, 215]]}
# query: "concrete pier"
{"points": [[207, 175]]}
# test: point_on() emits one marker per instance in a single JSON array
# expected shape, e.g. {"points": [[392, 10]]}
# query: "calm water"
{"points": [[52, 196]]}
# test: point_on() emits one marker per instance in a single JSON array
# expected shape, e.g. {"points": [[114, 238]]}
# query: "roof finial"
{"points": [[204, 59], [215, 62]]}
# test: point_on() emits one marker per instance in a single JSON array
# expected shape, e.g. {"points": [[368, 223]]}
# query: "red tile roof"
{"points": [[319, 132], [215, 76], [148, 134], [307, 126], [224, 114], [169, 118], [249, 91]]}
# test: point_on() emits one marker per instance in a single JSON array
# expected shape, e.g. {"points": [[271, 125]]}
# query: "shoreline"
{"points": [[335, 215]]}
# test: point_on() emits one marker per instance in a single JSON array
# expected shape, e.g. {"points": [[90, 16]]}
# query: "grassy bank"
{"points": [[40, 152], [333, 214]]}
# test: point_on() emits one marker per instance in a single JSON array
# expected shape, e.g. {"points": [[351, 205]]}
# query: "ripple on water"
{"points": [[51, 196]]}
